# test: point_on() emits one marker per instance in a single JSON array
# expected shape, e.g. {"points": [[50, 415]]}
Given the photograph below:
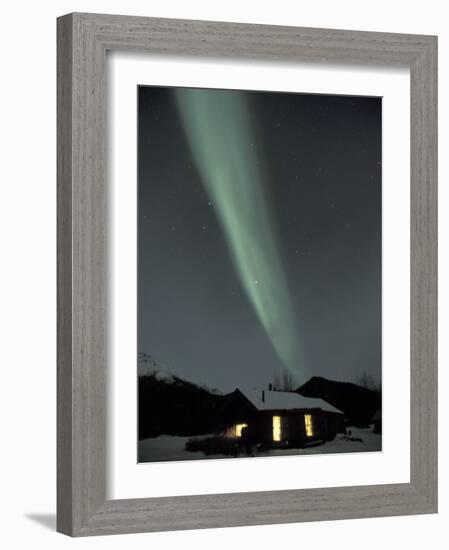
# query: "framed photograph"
{"points": [[247, 281]]}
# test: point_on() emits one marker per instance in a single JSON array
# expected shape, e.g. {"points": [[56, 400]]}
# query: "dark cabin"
{"points": [[280, 419]]}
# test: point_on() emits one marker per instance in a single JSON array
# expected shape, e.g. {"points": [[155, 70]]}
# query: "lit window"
{"points": [[239, 428], [276, 428], [308, 424]]}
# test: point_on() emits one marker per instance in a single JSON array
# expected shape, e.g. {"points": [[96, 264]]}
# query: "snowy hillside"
{"points": [[170, 405], [147, 366]]}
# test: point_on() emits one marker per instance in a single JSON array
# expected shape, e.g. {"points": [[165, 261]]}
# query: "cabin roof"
{"points": [[285, 400]]}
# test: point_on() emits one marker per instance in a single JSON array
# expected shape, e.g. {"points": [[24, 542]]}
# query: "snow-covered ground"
{"points": [[370, 442], [167, 447]]}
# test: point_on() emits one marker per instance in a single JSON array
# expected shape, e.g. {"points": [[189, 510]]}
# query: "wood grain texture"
{"points": [[83, 40], [64, 277]]}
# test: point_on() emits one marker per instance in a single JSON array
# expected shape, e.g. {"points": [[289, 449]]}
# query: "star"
{"points": [[204, 228]]}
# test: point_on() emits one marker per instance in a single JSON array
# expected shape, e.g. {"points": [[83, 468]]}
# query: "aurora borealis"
{"points": [[259, 235], [224, 146]]}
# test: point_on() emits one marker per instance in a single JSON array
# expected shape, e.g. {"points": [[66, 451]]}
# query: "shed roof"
{"points": [[285, 400]]}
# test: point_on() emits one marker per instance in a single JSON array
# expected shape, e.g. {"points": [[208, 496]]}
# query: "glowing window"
{"points": [[239, 428], [277, 428], [308, 424]]}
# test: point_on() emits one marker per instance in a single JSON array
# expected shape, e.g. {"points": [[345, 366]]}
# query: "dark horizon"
{"points": [[320, 156]]}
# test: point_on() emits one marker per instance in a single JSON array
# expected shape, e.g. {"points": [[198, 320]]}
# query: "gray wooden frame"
{"points": [[83, 40]]}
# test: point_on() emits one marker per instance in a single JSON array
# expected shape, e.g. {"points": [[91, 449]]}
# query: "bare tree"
{"points": [[276, 382], [366, 380], [283, 381], [287, 381]]}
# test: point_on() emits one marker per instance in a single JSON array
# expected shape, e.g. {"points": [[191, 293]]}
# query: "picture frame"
{"points": [[82, 505]]}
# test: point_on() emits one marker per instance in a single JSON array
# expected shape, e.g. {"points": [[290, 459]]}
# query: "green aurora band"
{"points": [[218, 128]]}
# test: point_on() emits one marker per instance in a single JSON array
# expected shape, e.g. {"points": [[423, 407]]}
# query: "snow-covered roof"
{"points": [[285, 400]]}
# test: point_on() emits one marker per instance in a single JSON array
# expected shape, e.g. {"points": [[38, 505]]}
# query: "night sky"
{"points": [[319, 157]]}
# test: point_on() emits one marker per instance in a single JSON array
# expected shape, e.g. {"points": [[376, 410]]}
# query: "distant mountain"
{"points": [[172, 406], [359, 404]]}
